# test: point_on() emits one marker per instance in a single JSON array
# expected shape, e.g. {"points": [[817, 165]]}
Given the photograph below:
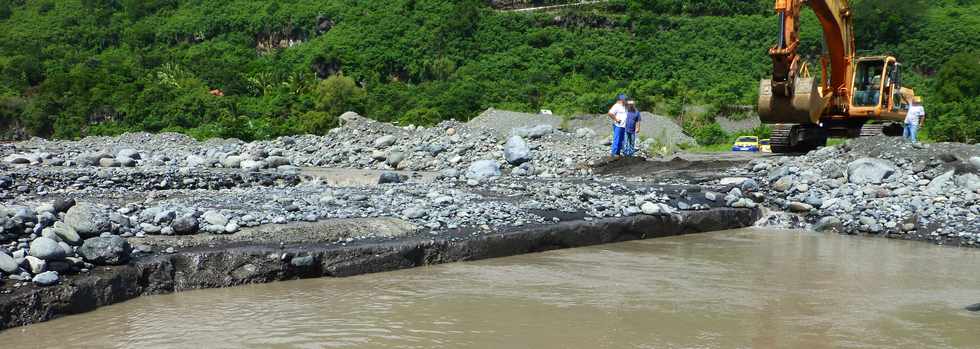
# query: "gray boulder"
{"points": [[516, 151], [482, 170], [414, 212], [111, 250], [384, 141], [48, 278], [534, 132], [185, 225], [969, 181], [784, 183], [252, 165], [799, 207], [395, 158], [36, 265], [870, 170], [215, 218], [129, 154], [232, 161], [88, 220], [390, 177], [937, 184], [47, 249], [276, 161], [66, 233], [108, 162], [62, 205], [975, 161], [7, 263]]}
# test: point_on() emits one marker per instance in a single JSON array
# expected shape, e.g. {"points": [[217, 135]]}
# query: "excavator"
{"points": [[852, 97]]}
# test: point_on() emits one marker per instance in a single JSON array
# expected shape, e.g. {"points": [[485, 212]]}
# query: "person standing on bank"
{"points": [[632, 128], [914, 119], [618, 115]]}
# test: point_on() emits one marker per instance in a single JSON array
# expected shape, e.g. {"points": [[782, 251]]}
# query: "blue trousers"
{"points": [[629, 144], [910, 132], [619, 135]]}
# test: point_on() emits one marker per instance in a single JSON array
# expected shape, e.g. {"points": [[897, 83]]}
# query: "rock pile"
{"points": [[882, 186], [39, 247]]}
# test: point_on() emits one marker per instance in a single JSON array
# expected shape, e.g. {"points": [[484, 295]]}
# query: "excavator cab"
{"points": [[878, 88], [868, 81]]}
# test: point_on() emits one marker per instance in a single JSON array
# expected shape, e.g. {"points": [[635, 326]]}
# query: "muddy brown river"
{"points": [[740, 289]]}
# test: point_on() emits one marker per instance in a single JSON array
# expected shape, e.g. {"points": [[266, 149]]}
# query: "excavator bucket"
{"points": [[804, 106]]}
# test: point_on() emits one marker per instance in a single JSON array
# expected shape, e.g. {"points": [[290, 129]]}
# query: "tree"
{"points": [[954, 107], [339, 94], [886, 21]]}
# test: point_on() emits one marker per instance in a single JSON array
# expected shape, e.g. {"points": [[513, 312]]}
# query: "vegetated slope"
{"points": [[255, 69]]}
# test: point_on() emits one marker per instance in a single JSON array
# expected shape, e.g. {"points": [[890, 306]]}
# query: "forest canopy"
{"points": [[257, 69]]}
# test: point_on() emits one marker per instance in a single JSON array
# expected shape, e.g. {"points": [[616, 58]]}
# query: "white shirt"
{"points": [[915, 112], [619, 111]]}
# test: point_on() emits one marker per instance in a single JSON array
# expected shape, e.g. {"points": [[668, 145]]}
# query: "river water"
{"points": [[739, 289]]}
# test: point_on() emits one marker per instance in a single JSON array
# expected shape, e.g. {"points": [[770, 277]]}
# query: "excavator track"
{"points": [[796, 138], [881, 129]]}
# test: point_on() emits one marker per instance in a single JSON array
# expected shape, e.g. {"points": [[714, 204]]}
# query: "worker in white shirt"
{"points": [[618, 115], [914, 119]]}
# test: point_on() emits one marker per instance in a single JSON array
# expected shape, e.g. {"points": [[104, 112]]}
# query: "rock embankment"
{"points": [[882, 186]]}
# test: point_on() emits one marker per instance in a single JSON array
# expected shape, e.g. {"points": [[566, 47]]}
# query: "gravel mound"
{"points": [[879, 185]]}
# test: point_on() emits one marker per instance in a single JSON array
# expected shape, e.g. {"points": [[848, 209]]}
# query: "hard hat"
{"points": [[917, 99], [622, 97]]}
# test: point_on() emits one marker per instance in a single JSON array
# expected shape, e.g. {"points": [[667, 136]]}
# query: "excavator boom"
{"points": [[807, 109]]}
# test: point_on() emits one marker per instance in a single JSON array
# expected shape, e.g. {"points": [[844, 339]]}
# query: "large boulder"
{"points": [[48, 278], [276, 161], [390, 177], [47, 249], [394, 158], [88, 220], [185, 225], [937, 184], [7, 263], [516, 151], [384, 141], [232, 161], [970, 181], [534, 132], [66, 233], [215, 218], [110, 250], [870, 170], [975, 161], [483, 169]]}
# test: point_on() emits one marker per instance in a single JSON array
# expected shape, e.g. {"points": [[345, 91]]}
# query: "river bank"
{"points": [[230, 264]]}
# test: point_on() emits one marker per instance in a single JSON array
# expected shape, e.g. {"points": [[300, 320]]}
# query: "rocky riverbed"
{"points": [[72, 206]]}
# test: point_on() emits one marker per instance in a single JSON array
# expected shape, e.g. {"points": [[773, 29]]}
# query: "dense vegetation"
{"points": [[257, 69]]}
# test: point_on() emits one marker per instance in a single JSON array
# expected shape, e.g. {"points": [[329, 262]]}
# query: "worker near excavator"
{"points": [[618, 116], [915, 118], [633, 119]]}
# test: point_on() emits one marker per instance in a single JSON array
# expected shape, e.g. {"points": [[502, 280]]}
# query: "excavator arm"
{"points": [[794, 97]]}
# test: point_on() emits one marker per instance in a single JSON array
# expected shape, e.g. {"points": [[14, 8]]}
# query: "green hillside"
{"points": [[72, 68]]}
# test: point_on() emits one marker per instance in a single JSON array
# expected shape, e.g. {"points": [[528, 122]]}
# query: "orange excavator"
{"points": [[852, 97]]}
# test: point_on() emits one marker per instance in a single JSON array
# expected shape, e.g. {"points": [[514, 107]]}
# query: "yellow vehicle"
{"points": [[746, 143], [764, 146], [850, 91]]}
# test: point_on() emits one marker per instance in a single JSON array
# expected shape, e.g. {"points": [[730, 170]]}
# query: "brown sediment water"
{"points": [[750, 288]]}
